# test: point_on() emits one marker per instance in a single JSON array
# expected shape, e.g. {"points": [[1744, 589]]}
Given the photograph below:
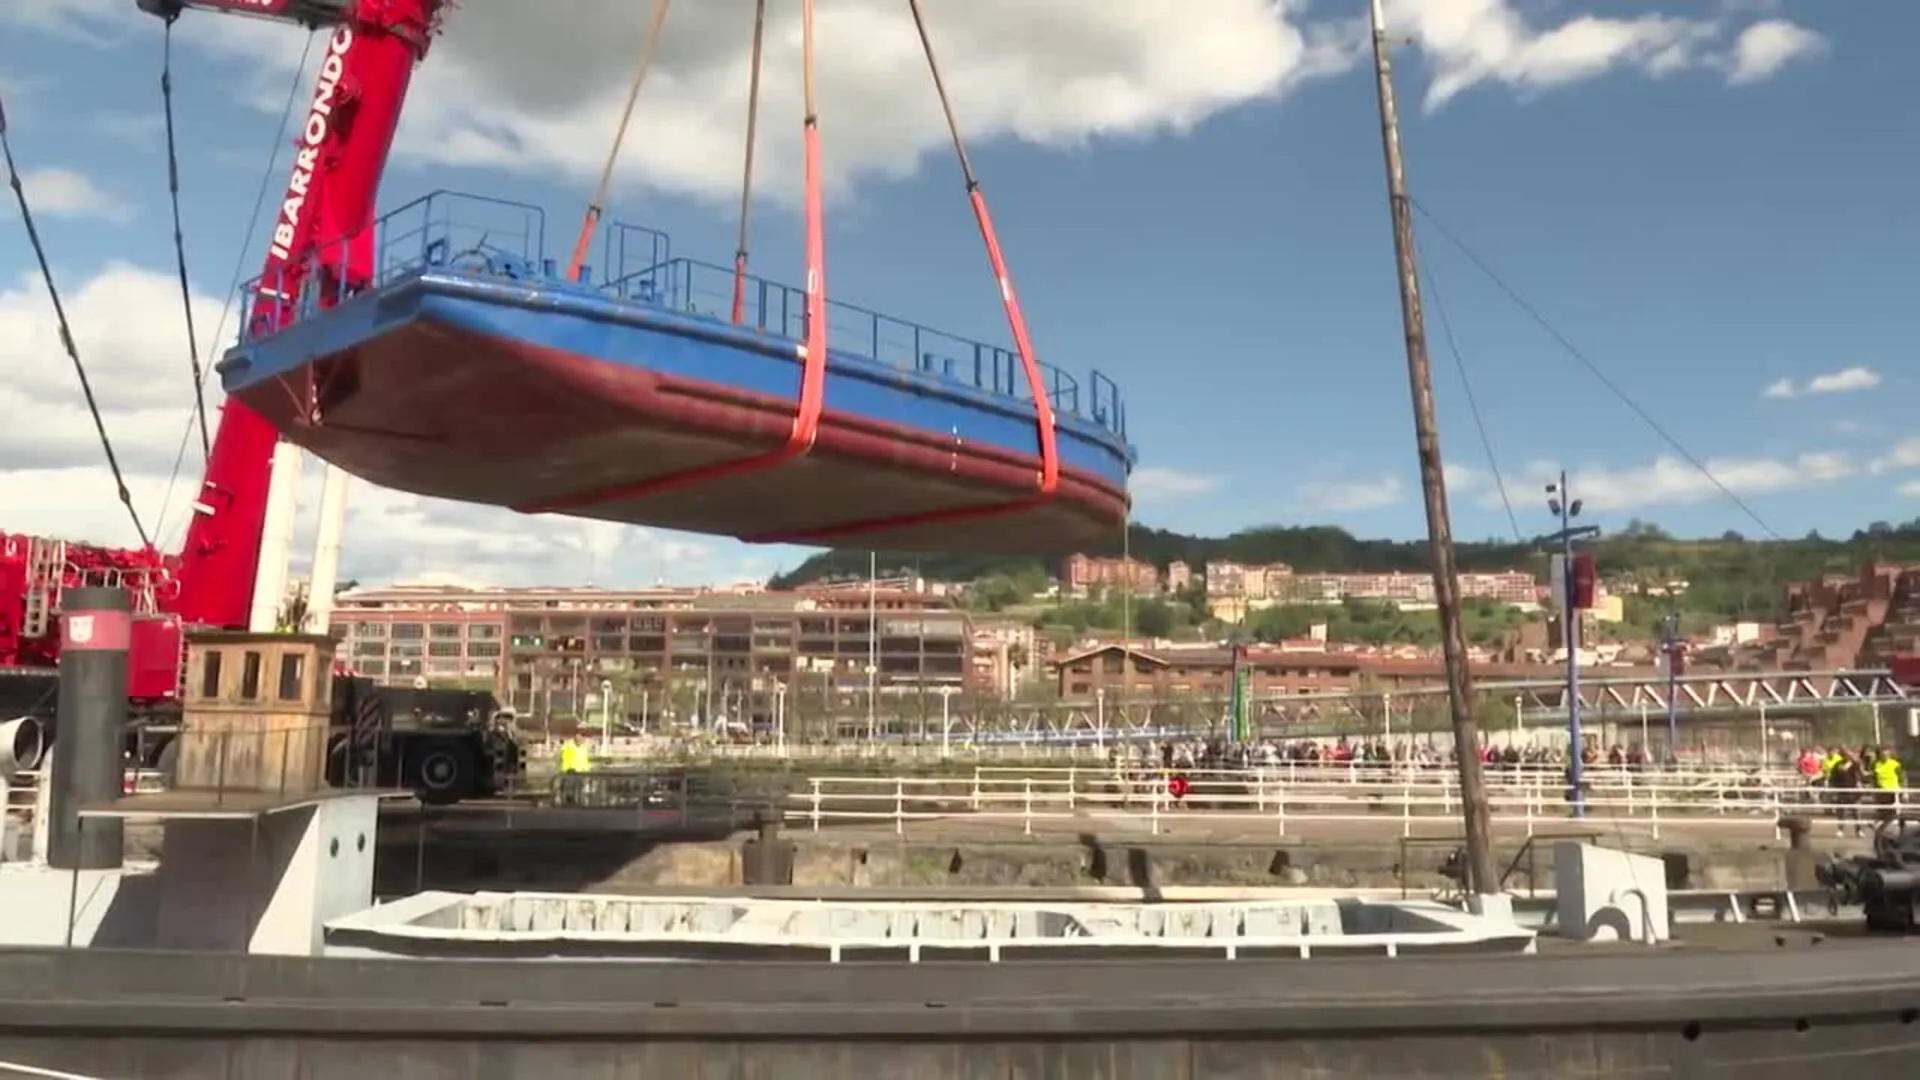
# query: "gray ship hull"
{"points": [[1760, 1015]]}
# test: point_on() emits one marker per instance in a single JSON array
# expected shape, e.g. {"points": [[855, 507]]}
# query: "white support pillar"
{"points": [[276, 539], [324, 577]]}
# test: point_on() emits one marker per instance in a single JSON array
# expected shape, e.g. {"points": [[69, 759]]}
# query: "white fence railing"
{"points": [[1411, 800]]}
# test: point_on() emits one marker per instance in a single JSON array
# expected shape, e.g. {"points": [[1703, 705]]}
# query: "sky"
{"points": [[1654, 232]]}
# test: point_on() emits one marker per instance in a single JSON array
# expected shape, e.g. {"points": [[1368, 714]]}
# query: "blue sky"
{"points": [[1704, 216]]}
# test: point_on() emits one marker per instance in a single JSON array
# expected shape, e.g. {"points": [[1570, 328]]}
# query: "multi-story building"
{"points": [[1234, 587], [671, 652], [1515, 587], [1003, 656], [1259, 584], [1088, 573], [1179, 576], [1861, 620]]}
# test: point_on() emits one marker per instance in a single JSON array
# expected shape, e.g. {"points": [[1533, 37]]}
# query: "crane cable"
{"points": [[239, 265], [597, 206], [812, 352], [1566, 344], [1472, 398], [179, 238], [746, 178], [66, 331], [1048, 479], [1016, 319]]}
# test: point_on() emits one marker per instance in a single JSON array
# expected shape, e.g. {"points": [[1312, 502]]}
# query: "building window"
{"points": [[369, 630], [444, 649], [408, 631], [446, 631], [210, 675], [484, 632], [293, 670], [483, 648], [250, 672]]}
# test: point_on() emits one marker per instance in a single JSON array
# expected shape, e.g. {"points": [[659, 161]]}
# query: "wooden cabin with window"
{"points": [[257, 714]]}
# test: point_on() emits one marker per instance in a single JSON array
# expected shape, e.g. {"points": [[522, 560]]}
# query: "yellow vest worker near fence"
{"points": [[576, 761], [1888, 779]]}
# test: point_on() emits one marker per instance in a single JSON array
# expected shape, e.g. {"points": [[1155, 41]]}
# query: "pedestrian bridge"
{"points": [[1605, 695]]}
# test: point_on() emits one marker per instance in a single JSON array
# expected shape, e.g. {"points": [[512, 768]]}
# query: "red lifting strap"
{"points": [[813, 376], [1049, 477]]}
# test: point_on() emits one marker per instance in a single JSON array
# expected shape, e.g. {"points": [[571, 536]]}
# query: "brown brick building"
{"points": [[1841, 621]]}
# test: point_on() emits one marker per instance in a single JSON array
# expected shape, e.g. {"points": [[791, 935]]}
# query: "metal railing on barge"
{"points": [[500, 239]]}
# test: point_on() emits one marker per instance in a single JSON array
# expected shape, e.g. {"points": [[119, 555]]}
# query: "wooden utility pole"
{"points": [[1482, 877]]}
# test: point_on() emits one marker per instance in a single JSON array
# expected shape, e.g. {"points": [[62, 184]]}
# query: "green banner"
{"points": [[1241, 730]]}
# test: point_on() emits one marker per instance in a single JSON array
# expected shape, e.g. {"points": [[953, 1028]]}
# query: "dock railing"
{"points": [[1410, 801]]}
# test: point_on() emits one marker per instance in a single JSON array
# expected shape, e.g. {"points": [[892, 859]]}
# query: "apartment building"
{"points": [[1241, 581], [1841, 621], [1179, 576], [548, 650], [1236, 586], [1087, 573]]}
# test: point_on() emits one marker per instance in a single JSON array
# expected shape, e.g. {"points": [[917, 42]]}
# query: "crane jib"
{"points": [[313, 136]]}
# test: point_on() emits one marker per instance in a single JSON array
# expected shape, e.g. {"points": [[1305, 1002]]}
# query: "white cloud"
{"points": [[511, 87], [1154, 484], [1844, 381], [1471, 42], [1352, 496], [128, 326], [1463, 479], [1910, 489], [1904, 454], [1668, 481], [66, 193], [1765, 48]]}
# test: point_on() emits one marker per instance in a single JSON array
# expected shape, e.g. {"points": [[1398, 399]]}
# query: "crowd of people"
{"points": [[1851, 780], [1220, 755]]}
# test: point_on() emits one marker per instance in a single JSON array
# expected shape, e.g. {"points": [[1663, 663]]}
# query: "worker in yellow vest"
{"points": [[576, 761], [1889, 778]]}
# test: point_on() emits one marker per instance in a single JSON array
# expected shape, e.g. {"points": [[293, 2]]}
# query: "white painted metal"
{"points": [[324, 577], [276, 538]]}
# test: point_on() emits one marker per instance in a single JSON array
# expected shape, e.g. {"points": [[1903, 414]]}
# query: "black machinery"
{"points": [[1886, 883]]}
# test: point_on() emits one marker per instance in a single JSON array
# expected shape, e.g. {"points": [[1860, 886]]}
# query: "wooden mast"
{"points": [[1482, 876]]}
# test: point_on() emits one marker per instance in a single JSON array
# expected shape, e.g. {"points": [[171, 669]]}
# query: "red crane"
{"points": [[322, 229]]}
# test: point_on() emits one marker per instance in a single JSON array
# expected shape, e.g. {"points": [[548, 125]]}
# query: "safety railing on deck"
{"points": [[1406, 803], [693, 287], [496, 238]]}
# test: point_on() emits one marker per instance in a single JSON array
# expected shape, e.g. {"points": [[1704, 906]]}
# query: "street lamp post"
{"points": [[1100, 719], [946, 720], [1675, 651], [1562, 504], [780, 717], [606, 717]]}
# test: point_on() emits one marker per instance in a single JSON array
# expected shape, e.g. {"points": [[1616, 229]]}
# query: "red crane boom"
{"points": [[321, 239]]}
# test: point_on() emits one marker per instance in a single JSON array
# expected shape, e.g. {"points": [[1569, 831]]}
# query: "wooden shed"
{"points": [[257, 713]]}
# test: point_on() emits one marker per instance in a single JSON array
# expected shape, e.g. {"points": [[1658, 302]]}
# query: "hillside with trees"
{"points": [[1728, 577]]}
